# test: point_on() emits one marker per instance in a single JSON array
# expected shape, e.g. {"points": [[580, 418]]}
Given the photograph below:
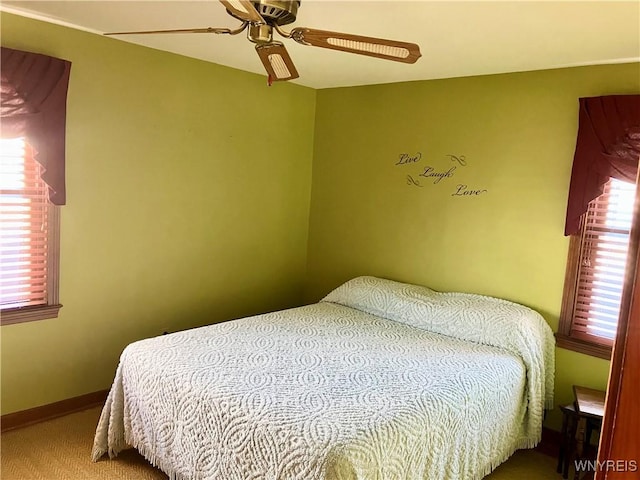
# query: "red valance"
{"points": [[608, 145], [34, 105]]}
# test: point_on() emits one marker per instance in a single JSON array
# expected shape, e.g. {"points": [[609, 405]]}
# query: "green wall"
{"points": [[517, 133], [182, 210]]}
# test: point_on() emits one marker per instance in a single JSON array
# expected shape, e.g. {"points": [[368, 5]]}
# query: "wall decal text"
{"points": [[463, 190], [430, 172], [460, 159], [405, 158], [413, 181], [439, 175]]}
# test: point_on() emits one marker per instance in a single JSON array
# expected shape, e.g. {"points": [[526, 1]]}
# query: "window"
{"points": [[29, 238], [596, 271]]}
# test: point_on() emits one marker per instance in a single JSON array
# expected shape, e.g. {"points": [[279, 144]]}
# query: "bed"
{"points": [[379, 380]]}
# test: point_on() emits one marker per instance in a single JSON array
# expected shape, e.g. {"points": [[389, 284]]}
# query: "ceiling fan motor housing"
{"points": [[277, 12]]}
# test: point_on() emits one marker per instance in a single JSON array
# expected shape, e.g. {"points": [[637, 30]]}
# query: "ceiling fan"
{"points": [[261, 17]]}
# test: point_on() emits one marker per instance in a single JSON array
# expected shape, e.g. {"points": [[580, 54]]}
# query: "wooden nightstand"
{"points": [[579, 420]]}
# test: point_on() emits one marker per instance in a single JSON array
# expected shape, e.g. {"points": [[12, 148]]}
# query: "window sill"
{"points": [[582, 346], [28, 314]]}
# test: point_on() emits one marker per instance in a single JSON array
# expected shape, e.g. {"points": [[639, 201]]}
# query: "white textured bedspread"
{"points": [[329, 391]]}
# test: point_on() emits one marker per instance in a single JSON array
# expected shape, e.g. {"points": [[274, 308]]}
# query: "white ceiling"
{"points": [[457, 38]]}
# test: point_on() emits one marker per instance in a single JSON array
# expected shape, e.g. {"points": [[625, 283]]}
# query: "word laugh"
{"points": [[428, 172]]}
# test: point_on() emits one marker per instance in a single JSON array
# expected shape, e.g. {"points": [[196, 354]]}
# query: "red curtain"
{"points": [[33, 104], [608, 145]]}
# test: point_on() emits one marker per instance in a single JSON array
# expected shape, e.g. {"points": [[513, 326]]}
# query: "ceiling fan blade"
{"points": [[345, 42], [276, 61], [184, 30], [244, 10]]}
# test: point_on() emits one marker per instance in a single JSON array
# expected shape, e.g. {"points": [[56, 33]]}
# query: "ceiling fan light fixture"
{"points": [[261, 17]]}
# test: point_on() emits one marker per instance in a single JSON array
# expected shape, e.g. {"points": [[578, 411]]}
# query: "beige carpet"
{"points": [[60, 449]]}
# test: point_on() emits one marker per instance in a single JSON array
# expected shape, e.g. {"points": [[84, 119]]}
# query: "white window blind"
{"points": [[603, 258], [24, 209]]}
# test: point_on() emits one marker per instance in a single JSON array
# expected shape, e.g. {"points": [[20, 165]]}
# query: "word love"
{"points": [[429, 172], [464, 191], [405, 158]]}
